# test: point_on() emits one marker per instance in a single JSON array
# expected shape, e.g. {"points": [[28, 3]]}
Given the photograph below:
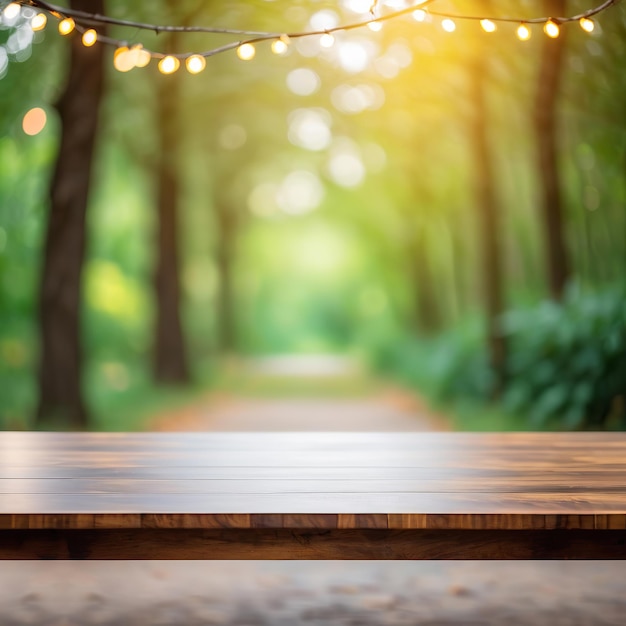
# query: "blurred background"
{"points": [[424, 204]]}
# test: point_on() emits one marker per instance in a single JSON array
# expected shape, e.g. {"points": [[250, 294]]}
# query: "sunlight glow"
{"points": [[310, 129], [300, 192], [353, 56], [34, 121], [303, 81]]}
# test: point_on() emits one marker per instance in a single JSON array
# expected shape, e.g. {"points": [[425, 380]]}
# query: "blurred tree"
{"points": [[61, 362], [547, 138]]}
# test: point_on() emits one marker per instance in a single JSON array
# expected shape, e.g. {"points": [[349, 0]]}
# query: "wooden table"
{"points": [[312, 495]]}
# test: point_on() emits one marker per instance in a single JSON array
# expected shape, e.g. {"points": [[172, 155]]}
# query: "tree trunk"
{"points": [[60, 370], [170, 358], [547, 155], [227, 228], [488, 211]]}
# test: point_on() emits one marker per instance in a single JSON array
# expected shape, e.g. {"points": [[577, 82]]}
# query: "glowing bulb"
{"points": [[90, 37], [375, 26], [246, 51], [551, 28], [419, 15], [448, 25], [327, 40], [66, 26], [195, 63], [279, 47], [39, 21], [168, 64], [34, 121], [140, 57], [488, 26], [523, 32], [122, 60], [11, 11], [586, 24]]}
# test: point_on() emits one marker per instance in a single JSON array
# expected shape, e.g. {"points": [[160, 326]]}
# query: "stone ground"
{"points": [[281, 593]]}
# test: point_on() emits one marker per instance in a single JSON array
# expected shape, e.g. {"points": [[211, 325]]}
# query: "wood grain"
{"points": [[146, 483]]}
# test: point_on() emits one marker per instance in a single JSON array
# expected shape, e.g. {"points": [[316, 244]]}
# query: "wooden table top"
{"points": [[313, 480]]}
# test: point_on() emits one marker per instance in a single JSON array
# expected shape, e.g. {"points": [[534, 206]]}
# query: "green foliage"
{"points": [[567, 362]]}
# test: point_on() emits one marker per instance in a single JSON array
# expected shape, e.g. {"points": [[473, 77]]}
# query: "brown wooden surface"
{"points": [[142, 484]]}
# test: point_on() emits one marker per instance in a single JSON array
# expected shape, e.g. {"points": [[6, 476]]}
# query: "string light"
{"points": [[246, 51], [586, 24], [488, 26], [39, 21], [89, 37], [279, 46], [523, 32], [11, 11], [168, 64], [551, 28], [448, 25], [195, 63], [66, 26], [327, 40], [125, 59]]}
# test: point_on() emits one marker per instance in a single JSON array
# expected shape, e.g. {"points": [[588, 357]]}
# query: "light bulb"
{"points": [[375, 26], [89, 37], [327, 40], [195, 63], [551, 28], [168, 64], [246, 51], [279, 46], [39, 21], [586, 24], [523, 32], [419, 15], [122, 60], [66, 26], [140, 57], [488, 26], [11, 11], [448, 25]]}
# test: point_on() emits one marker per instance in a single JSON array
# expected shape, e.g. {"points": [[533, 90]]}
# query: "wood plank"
{"points": [[312, 544]]}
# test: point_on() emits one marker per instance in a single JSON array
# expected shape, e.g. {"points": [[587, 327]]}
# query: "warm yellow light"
{"points": [[448, 25], [66, 26], [488, 26], [34, 121], [11, 11], [586, 24], [90, 37], [195, 63], [551, 28], [39, 21], [523, 32], [279, 47], [327, 40], [419, 15], [375, 26], [168, 64], [122, 60], [246, 51], [140, 57]]}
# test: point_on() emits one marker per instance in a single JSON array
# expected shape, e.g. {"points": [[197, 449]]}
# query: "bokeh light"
{"points": [[34, 121]]}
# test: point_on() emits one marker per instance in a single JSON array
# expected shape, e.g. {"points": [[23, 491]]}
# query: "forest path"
{"points": [[303, 393]]}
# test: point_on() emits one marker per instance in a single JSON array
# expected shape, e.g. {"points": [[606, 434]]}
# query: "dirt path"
{"points": [[248, 593]]}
